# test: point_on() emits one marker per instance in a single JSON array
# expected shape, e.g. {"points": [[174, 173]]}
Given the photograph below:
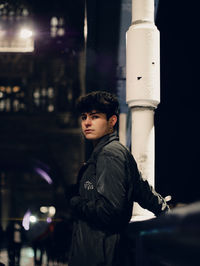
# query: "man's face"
{"points": [[95, 125]]}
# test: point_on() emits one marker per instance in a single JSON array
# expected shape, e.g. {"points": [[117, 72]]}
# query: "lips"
{"points": [[88, 131]]}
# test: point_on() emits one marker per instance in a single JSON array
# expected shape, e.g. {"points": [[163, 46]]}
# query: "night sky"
{"points": [[177, 117]]}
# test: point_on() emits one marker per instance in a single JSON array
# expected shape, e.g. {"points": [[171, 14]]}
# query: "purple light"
{"points": [[49, 220], [26, 220], [44, 175]]}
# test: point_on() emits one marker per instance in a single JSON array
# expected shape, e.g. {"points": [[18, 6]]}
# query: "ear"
{"points": [[113, 120]]}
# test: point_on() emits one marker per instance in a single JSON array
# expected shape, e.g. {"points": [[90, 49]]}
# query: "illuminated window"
{"points": [[57, 27], [43, 99], [16, 29], [12, 99]]}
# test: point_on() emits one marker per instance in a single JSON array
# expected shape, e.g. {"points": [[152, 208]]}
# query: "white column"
{"points": [[143, 86]]}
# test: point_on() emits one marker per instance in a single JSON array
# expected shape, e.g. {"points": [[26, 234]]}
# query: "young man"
{"points": [[108, 185]]}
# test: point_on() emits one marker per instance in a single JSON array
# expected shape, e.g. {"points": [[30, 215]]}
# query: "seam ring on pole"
{"points": [[140, 21], [143, 107]]}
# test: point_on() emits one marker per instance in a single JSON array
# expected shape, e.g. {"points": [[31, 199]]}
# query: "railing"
{"points": [[172, 239]]}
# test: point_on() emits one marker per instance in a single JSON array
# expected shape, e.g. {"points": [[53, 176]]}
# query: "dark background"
{"points": [[177, 117], [52, 140]]}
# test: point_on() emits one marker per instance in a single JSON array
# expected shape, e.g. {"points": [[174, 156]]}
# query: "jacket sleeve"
{"points": [[148, 198], [111, 203]]}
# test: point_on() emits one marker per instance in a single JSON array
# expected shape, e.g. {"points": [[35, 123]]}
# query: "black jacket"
{"points": [[109, 183]]}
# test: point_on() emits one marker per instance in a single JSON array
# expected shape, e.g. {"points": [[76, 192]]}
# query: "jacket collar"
{"points": [[103, 142]]}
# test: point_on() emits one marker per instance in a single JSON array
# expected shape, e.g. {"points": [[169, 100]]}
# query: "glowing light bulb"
{"points": [[26, 33]]}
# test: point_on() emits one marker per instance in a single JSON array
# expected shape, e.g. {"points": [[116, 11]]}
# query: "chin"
{"points": [[89, 137]]}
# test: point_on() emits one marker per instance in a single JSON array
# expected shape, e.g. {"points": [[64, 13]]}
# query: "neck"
{"points": [[96, 141]]}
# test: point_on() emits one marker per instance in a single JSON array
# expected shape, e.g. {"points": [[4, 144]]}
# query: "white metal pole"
{"points": [[143, 86]]}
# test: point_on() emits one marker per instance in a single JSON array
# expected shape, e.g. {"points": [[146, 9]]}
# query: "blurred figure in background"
{"points": [[58, 241], [14, 237]]}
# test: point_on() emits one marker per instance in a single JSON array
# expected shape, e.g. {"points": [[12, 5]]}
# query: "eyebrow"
{"points": [[90, 113]]}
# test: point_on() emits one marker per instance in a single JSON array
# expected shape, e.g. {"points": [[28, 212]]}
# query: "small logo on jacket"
{"points": [[88, 185]]}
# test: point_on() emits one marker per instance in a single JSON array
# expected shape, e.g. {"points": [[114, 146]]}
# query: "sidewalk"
{"points": [[27, 258]]}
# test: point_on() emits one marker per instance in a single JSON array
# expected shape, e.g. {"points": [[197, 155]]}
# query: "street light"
{"points": [[26, 33], [33, 219]]}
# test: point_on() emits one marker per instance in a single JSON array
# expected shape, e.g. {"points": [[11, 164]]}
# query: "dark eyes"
{"points": [[95, 116], [83, 118], [92, 117]]}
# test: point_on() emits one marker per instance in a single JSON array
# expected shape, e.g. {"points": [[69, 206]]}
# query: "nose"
{"points": [[87, 121]]}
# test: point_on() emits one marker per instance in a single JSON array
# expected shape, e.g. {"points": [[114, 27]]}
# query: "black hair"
{"points": [[101, 101]]}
